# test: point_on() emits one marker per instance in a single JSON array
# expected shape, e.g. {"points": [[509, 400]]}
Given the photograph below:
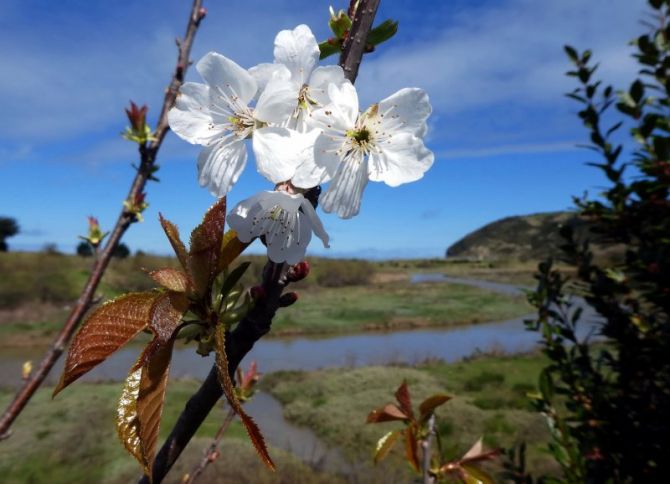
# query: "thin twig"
{"points": [[212, 451], [147, 159], [426, 444], [259, 320]]}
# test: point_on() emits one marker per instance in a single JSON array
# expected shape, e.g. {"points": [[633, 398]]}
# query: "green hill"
{"points": [[523, 237]]}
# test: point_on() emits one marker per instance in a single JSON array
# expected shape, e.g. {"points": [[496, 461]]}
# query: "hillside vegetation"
{"points": [[532, 237]]}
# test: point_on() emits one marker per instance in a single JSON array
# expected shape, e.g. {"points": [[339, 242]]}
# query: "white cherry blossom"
{"points": [[285, 220], [218, 115], [296, 54], [382, 144]]}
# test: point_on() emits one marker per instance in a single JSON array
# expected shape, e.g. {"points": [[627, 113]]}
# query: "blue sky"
{"points": [[503, 133]]}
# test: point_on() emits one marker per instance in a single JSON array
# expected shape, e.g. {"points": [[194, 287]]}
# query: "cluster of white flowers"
{"points": [[306, 130]]}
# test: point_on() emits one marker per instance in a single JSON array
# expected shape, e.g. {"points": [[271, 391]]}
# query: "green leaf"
{"points": [[233, 278], [572, 53], [546, 384], [339, 24], [329, 47], [636, 91], [382, 32]]}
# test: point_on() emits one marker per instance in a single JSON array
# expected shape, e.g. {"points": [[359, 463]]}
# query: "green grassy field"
{"points": [[338, 296], [72, 439], [489, 400]]}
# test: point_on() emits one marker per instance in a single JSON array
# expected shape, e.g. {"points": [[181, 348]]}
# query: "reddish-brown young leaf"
{"points": [[141, 404], [229, 390], [150, 401], [127, 423], [205, 250], [107, 329], [231, 247], [385, 444], [387, 413], [431, 403], [403, 397], [172, 279], [412, 447], [172, 233]]}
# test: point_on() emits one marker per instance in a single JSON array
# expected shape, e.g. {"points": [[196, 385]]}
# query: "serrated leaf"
{"points": [[150, 402], [412, 447], [231, 248], [473, 475], [172, 233], [229, 391], [431, 403], [141, 405], [205, 249], [127, 424], [172, 279], [385, 444], [107, 329], [404, 399], [387, 413]]}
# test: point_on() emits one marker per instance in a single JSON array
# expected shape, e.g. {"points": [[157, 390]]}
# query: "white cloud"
{"points": [[516, 149], [507, 52]]}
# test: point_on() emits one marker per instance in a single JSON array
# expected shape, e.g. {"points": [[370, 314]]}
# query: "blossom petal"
{"points": [[221, 72], [317, 226], [241, 217], [406, 110], [279, 151], [277, 102], [321, 78], [277, 216], [344, 103], [403, 158], [345, 191], [322, 165], [262, 73], [221, 163], [190, 119], [298, 50]]}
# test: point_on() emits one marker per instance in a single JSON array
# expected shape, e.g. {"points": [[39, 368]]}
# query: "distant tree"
{"points": [[51, 249], [121, 251], [8, 228], [84, 249]]}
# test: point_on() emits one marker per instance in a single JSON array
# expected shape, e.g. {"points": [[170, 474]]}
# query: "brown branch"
{"points": [[147, 158], [212, 451], [354, 45], [259, 320], [428, 477]]}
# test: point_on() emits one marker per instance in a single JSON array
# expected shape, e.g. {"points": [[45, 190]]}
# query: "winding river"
{"points": [[310, 353]]}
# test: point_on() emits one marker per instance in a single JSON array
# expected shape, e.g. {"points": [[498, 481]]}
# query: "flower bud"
{"points": [[298, 272], [288, 299]]}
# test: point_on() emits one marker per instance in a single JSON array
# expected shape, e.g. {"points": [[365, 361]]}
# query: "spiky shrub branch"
{"points": [[607, 402]]}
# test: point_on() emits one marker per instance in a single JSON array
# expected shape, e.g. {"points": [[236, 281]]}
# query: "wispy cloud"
{"points": [[519, 149], [507, 52]]}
